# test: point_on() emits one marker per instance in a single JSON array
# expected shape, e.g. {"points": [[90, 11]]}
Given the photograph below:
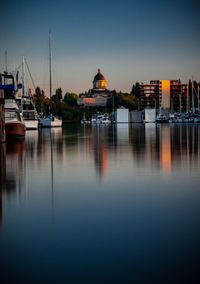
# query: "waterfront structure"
{"points": [[98, 95], [135, 116], [150, 115], [166, 94], [122, 115]]}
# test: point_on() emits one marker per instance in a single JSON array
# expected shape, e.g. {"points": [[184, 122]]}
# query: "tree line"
{"points": [[66, 106]]}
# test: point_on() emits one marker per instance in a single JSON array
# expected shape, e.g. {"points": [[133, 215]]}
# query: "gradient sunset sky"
{"points": [[129, 40]]}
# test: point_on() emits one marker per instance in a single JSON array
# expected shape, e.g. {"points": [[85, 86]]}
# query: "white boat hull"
{"points": [[51, 123], [31, 124]]}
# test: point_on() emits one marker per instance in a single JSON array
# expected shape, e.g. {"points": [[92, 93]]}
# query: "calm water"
{"points": [[107, 204]]}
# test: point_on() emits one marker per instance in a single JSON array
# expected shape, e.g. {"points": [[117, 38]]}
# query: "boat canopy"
{"points": [[7, 87]]}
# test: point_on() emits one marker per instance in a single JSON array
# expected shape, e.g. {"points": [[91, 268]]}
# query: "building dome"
{"points": [[99, 81]]}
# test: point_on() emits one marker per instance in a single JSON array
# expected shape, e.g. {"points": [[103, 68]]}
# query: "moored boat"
{"points": [[161, 118], [106, 119], [50, 121], [28, 112], [14, 124]]}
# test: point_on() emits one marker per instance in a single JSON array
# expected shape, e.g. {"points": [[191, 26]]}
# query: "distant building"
{"points": [[165, 94], [98, 95]]}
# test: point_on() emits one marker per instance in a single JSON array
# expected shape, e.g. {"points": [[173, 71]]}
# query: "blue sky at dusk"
{"points": [[129, 40]]}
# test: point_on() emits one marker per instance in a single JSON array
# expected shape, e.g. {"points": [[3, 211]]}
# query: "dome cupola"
{"points": [[99, 82]]}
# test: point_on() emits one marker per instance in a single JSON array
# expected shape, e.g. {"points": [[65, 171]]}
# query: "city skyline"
{"points": [[129, 41]]}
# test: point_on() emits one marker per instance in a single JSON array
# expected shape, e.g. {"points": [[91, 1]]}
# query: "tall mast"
{"points": [[198, 94], [6, 64], [23, 78], [50, 87], [181, 99], [188, 97], [192, 95]]}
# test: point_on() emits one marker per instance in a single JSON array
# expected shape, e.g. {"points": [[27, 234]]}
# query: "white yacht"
{"points": [[50, 121], [28, 111]]}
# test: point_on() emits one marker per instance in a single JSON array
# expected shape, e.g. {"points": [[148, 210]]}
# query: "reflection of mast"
{"points": [[52, 180], [2, 174]]}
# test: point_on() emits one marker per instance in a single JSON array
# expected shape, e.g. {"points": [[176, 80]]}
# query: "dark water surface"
{"points": [[107, 204]]}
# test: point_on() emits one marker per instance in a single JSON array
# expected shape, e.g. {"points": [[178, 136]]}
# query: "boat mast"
{"points": [[192, 95], [23, 84], [198, 94], [50, 84], [188, 97], [181, 100], [23, 78], [29, 73], [6, 62]]}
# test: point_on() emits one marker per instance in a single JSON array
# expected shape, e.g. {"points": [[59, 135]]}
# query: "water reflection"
{"points": [[2, 175], [154, 147], [13, 171], [121, 196], [163, 148]]}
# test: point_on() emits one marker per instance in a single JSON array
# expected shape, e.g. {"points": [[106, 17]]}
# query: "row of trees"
{"points": [[57, 105], [67, 108]]}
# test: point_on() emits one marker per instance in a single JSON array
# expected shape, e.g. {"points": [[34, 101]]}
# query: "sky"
{"points": [[129, 40]]}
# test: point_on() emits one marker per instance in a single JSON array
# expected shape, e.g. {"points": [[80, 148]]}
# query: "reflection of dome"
{"points": [[99, 81]]}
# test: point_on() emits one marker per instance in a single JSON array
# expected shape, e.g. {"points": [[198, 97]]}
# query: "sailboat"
{"points": [[50, 121], [26, 104]]}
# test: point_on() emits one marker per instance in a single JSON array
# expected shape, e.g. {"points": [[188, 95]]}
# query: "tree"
{"points": [[122, 99], [136, 90], [70, 99], [58, 95]]}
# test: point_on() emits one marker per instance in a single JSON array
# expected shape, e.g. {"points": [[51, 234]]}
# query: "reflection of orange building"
{"points": [[165, 149]]}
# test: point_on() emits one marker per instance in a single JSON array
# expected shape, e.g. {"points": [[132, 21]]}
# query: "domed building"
{"points": [[99, 82], [98, 95]]}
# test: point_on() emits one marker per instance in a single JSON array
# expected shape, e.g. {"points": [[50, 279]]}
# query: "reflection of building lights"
{"points": [[165, 155]]}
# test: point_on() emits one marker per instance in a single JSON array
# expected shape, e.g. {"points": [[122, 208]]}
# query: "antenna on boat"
{"points": [[50, 84]]}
